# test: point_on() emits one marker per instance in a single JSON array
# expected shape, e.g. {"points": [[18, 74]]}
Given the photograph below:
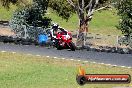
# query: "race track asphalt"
{"points": [[99, 57]]}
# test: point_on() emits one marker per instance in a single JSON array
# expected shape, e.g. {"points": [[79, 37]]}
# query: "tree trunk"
{"points": [[82, 32]]}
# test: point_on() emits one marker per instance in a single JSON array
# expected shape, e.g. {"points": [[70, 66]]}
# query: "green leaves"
{"points": [[6, 3], [125, 12], [31, 19], [62, 8]]}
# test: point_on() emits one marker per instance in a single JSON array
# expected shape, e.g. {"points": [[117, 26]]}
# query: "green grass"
{"points": [[6, 14], [27, 71], [103, 22]]}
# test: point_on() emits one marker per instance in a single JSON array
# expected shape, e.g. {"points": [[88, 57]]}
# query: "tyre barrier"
{"points": [[110, 50], [6, 39], [4, 23], [17, 41], [22, 41], [26, 41]]}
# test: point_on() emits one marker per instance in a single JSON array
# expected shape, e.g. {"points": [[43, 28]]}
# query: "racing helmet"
{"points": [[55, 26]]}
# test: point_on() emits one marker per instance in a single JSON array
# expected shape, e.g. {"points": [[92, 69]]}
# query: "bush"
{"points": [[125, 25], [26, 20]]}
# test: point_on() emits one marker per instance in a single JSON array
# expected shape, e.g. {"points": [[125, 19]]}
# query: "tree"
{"points": [[84, 9], [124, 8], [29, 21], [6, 3]]}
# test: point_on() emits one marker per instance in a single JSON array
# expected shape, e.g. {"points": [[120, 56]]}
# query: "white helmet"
{"points": [[55, 26]]}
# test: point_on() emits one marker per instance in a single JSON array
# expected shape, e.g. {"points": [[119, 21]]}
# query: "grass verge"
{"points": [[28, 71]]}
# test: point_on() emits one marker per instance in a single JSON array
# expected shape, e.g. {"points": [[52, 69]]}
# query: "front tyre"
{"points": [[59, 47], [72, 46]]}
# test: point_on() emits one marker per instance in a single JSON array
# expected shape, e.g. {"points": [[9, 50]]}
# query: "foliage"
{"points": [[65, 10], [6, 3], [98, 24], [27, 19], [62, 8], [125, 12], [36, 12], [18, 20]]}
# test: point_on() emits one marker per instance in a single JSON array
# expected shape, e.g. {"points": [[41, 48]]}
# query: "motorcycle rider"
{"points": [[54, 30], [57, 34], [53, 33], [57, 29]]}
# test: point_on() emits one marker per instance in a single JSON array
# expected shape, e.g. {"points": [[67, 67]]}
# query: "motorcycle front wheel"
{"points": [[72, 46], [59, 47]]}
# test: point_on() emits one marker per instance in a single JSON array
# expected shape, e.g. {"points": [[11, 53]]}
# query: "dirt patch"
{"points": [[6, 32]]}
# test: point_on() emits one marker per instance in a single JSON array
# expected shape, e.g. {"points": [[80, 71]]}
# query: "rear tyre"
{"points": [[57, 45]]}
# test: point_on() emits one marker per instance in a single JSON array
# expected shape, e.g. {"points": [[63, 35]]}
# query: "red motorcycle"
{"points": [[64, 40]]}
